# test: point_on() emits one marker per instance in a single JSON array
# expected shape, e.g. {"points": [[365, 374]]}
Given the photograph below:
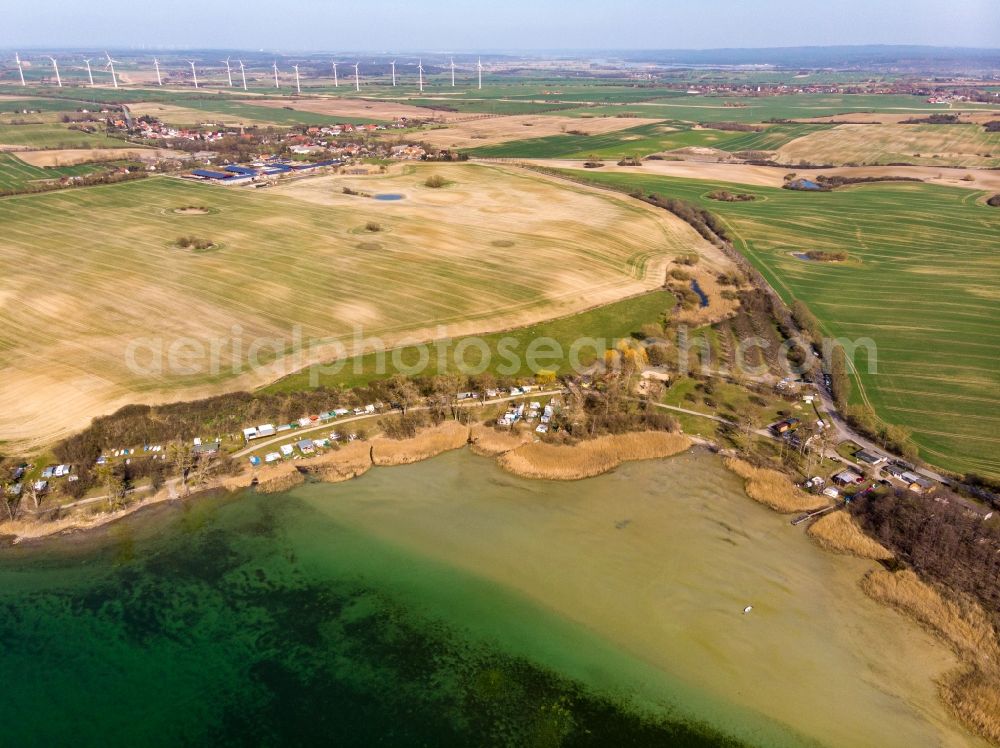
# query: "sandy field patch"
{"points": [[493, 130], [72, 156]]}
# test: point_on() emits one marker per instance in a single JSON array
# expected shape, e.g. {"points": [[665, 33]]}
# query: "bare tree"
{"points": [[180, 457]]}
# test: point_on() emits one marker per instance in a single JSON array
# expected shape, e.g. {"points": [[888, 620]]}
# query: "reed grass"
{"points": [[773, 488], [280, 481], [589, 458], [350, 461], [838, 532], [490, 442], [973, 694], [972, 691], [963, 624], [427, 443]]}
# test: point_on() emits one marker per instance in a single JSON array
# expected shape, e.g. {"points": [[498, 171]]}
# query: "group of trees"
{"points": [[933, 119], [104, 176], [225, 414], [703, 221], [942, 542]]}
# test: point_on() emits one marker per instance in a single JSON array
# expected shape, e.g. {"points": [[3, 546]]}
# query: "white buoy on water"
{"points": [[747, 609]]}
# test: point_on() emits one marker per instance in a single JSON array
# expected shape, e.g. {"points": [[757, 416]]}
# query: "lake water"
{"points": [[447, 603]]}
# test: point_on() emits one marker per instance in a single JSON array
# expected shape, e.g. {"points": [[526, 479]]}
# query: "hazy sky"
{"points": [[496, 24]]}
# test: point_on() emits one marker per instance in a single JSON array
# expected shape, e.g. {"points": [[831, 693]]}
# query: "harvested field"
{"points": [[928, 145], [360, 109], [839, 532], [74, 156], [105, 280], [490, 131], [427, 443], [773, 489], [589, 458], [177, 114]]}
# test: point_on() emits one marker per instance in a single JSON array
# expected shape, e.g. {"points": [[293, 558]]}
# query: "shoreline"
{"points": [[965, 690], [969, 690], [356, 458]]}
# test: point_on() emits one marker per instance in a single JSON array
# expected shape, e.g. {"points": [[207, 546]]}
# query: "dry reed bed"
{"points": [[965, 626], [972, 691], [428, 443], [350, 461], [974, 696], [773, 489], [487, 441], [590, 458], [838, 532]]}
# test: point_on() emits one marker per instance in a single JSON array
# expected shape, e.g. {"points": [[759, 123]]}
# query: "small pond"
{"points": [[390, 196], [701, 294]]}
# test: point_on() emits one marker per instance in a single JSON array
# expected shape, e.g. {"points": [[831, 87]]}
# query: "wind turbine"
{"points": [[243, 72], [194, 73], [156, 64], [479, 69], [420, 72], [55, 66], [298, 88], [90, 75], [275, 74], [357, 77], [20, 70], [229, 72], [336, 83], [111, 64], [452, 72], [393, 63]]}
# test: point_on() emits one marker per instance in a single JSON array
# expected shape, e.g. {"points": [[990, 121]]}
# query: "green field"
{"points": [[15, 174], [644, 140], [620, 319], [760, 109], [54, 136], [922, 283]]}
